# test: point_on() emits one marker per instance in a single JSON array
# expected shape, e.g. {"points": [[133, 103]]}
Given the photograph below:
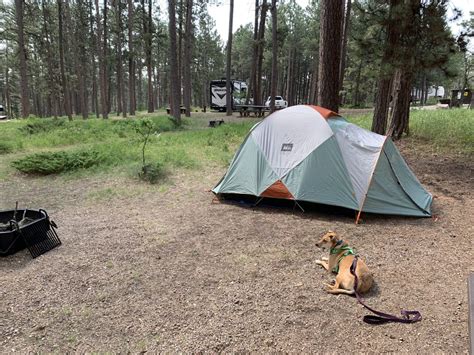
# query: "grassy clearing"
{"points": [[441, 130], [100, 146], [51, 146]]}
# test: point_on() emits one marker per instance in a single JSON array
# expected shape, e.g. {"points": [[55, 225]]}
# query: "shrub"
{"points": [[5, 148], [42, 125], [57, 162], [152, 173]]}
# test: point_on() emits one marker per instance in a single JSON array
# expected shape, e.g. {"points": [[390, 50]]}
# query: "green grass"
{"points": [[84, 147], [442, 130], [52, 146]]}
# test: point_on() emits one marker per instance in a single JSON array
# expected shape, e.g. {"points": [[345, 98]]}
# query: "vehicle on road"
{"points": [[279, 102]]}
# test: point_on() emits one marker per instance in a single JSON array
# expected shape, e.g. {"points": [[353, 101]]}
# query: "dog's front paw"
{"points": [[319, 262], [324, 258]]}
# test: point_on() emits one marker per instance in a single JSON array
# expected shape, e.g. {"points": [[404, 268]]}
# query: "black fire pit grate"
{"points": [[27, 229]]}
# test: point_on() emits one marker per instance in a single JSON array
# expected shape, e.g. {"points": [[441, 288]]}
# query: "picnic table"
{"points": [[257, 110], [182, 109]]}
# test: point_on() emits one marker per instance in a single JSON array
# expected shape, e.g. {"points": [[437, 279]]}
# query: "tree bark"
{"points": [[382, 103], [64, 83], [105, 62], [131, 61], [148, 50], [382, 98], [187, 57], [313, 96], [345, 35], [102, 64], [290, 76], [330, 53], [25, 101], [180, 46], [401, 104], [82, 58], [121, 100], [174, 79], [229, 88], [93, 49], [253, 66], [356, 101], [52, 93], [260, 42], [274, 56]]}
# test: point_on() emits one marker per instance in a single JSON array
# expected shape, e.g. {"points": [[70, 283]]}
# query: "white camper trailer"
{"points": [[218, 93]]}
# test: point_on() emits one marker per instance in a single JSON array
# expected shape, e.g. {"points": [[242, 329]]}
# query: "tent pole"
{"points": [[258, 201], [297, 204], [358, 217]]}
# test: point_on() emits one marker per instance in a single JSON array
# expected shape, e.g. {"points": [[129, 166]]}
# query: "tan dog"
{"points": [[340, 260]]}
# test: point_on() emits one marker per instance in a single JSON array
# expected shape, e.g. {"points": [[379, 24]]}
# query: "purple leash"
{"points": [[382, 318]]}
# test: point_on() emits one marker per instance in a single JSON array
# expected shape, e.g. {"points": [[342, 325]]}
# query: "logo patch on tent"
{"points": [[286, 147]]}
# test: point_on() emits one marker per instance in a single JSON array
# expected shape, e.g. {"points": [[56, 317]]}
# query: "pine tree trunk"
{"points": [[102, 64], [313, 100], [382, 103], [25, 101], [180, 44], [253, 66], [330, 53], [81, 29], [356, 101], [382, 99], [229, 88], [7, 88], [131, 61], [175, 85], [187, 58], [93, 50], [401, 106], [64, 83], [345, 35], [149, 47], [52, 94], [290, 77], [121, 100], [105, 62], [274, 56], [260, 41]]}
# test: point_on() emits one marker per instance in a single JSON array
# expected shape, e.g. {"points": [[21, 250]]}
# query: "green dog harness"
{"points": [[347, 251]]}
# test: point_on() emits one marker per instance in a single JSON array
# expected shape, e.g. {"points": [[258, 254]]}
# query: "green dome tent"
{"points": [[308, 153]]}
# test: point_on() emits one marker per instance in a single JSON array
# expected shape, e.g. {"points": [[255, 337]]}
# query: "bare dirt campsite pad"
{"points": [[161, 268]]}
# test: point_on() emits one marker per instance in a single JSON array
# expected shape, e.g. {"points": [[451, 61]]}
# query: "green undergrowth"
{"points": [[58, 146], [47, 163], [84, 147]]}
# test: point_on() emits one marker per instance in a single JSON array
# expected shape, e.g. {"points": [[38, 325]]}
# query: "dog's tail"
{"points": [[342, 290]]}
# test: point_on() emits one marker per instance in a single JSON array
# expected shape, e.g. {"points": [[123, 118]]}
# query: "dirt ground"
{"points": [[161, 268]]}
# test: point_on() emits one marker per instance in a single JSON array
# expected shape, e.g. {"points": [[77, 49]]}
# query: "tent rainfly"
{"points": [[309, 153]]}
